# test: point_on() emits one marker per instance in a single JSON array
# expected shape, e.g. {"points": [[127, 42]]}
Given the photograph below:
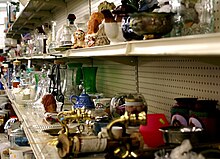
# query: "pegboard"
{"points": [[162, 79], [115, 78], [216, 15]]}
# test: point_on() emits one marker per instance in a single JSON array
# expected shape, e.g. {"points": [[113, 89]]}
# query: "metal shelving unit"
{"points": [[35, 13], [160, 69]]}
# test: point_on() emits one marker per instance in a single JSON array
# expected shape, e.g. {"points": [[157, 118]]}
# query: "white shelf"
{"points": [[106, 50], [31, 120], [34, 14], [197, 45], [33, 124]]}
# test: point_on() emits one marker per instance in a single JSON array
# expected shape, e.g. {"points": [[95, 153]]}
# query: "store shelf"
{"points": [[32, 121], [196, 45], [33, 125], [119, 49], [34, 14]]}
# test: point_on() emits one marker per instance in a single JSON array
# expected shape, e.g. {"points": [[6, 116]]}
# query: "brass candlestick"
{"points": [[76, 115], [128, 144]]}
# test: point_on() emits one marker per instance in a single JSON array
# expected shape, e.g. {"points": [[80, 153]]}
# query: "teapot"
{"points": [[82, 101]]}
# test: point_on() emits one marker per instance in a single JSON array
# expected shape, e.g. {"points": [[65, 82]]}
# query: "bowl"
{"points": [[176, 134], [157, 24]]}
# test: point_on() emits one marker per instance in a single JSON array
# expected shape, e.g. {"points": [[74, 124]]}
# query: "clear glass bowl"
{"points": [[133, 103]]}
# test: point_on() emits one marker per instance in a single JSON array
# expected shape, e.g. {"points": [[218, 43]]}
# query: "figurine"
{"points": [[49, 103], [106, 5], [79, 39], [96, 35], [93, 24]]}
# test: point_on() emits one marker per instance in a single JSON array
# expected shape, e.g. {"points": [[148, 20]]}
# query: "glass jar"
{"points": [[133, 103]]}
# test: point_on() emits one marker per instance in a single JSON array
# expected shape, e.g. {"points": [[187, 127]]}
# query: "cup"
{"points": [[117, 132]]}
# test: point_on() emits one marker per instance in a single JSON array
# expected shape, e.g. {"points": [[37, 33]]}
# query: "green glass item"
{"points": [[74, 79], [89, 79]]}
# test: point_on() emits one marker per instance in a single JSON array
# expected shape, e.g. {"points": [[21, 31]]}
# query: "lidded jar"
{"points": [[133, 103]]}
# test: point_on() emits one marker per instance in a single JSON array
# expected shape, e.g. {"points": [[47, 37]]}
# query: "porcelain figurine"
{"points": [[112, 28], [117, 23], [96, 35], [79, 39]]}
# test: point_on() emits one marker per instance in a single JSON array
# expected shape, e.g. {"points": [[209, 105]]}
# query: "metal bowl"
{"points": [[153, 23], [175, 135]]}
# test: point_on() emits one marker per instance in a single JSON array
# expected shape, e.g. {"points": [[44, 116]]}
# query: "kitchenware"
{"points": [[18, 138], [117, 132], [127, 31], [74, 79], [180, 110], [205, 115], [175, 135], [82, 101], [205, 105], [130, 102], [89, 79], [52, 43], [155, 24]]}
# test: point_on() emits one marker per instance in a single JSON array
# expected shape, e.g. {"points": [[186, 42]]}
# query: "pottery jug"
{"points": [[82, 101]]}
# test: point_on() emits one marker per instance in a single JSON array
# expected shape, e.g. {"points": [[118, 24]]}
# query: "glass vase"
{"points": [[74, 79], [89, 79], [53, 43]]}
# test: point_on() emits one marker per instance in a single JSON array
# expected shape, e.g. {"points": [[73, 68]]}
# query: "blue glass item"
{"points": [[82, 101]]}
